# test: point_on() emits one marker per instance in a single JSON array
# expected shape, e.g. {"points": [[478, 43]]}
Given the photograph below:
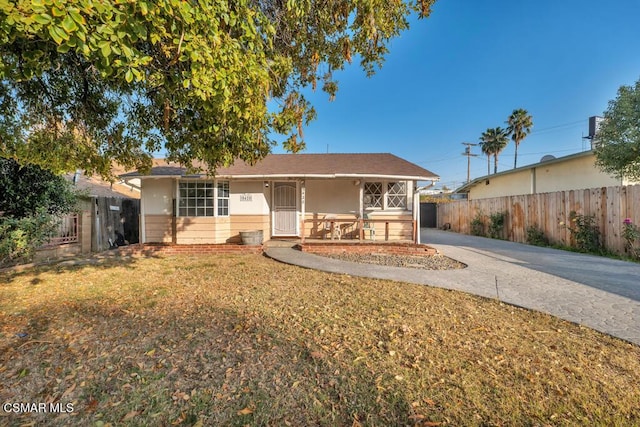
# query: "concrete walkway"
{"points": [[601, 293]]}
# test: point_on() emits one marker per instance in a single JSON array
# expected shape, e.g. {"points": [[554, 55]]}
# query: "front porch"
{"points": [[359, 229]]}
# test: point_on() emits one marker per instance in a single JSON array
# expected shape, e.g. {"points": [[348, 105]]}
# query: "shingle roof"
{"points": [[312, 165], [95, 186]]}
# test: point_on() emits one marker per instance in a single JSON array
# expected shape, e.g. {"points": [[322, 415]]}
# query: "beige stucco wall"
{"points": [[337, 196], [503, 185], [158, 196], [571, 174], [248, 198]]}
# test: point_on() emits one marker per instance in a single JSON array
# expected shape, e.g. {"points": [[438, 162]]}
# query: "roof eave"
{"points": [[289, 176]]}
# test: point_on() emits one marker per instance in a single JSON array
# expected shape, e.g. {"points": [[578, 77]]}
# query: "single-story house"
{"points": [[284, 195], [573, 172]]}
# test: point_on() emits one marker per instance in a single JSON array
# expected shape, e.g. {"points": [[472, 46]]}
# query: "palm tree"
{"points": [[485, 147], [492, 142], [520, 123]]}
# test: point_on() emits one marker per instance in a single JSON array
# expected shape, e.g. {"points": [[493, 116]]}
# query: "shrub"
{"points": [[631, 233], [496, 224], [586, 233], [20, 237], [477, 224], [536, 237]]}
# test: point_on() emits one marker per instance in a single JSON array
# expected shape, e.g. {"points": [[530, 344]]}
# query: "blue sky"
{"points": [[468, 66]]}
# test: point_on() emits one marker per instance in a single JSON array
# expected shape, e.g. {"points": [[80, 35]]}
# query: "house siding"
{"points": [[503, 185], [199, 230], [249, 223], [576, 173], [158, 228]]}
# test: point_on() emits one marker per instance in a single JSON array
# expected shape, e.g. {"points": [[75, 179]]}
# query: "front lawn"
{"points": [[243, 340]]}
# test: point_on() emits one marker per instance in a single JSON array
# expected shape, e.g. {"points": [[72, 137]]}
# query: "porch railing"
{"points": [[67, 232], [349, 223]]}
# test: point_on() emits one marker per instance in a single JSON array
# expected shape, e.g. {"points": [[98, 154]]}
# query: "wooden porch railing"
{"points": [[360, 225]]}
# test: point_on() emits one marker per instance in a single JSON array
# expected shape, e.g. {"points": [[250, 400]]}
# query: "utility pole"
{"points": [[469, 155]]}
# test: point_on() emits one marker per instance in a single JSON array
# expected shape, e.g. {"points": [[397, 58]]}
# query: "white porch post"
{"points": [[360, 202], [142, 233], [416, 211], [303, 208]]}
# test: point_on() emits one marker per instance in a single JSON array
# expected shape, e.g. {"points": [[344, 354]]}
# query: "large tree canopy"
{"points": [[85, 82], [618, 139], [28, 189]]}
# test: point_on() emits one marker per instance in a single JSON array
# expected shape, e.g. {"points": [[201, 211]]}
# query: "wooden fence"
{"points": [[550, 212], [111, 215]]}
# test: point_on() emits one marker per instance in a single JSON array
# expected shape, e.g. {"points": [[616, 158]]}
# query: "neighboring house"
{"points": [[284, 195], [574, 172]]}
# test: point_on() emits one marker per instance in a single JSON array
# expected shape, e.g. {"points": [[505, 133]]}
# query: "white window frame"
{"points": [[219, 197], [385, 196], [215, 198]]}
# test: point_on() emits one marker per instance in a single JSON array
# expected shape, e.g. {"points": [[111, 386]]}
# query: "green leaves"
{"points": [[195, 80], [618, 139]]}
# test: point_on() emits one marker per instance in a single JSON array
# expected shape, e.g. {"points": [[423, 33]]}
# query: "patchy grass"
{"points": [[243, 340]]}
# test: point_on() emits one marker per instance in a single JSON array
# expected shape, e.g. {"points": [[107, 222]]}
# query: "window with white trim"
{"points": [[372, 195], [397, 195], [202, 198], [385, 195], [223, 198]]}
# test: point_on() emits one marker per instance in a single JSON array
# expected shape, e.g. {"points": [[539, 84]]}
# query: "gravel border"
{"points": [[435, 262]]}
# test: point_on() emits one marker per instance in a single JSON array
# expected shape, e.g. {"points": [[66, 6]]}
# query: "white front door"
{"points": [[285, 209]]}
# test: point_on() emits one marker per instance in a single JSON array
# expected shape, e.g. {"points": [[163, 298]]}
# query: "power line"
{"points": [[556, 127]]}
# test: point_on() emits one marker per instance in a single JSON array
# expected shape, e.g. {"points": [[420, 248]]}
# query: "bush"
{"points": [[586, 233], [496, 224], [631, 233], [477, 225], [20, 237], [536, 237]]}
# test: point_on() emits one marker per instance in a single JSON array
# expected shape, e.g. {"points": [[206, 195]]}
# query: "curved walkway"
{"points": [[601, 293]]}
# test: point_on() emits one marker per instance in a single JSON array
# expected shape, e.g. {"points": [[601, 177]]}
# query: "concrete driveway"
{"points": [[598, 292], [611, 275]]}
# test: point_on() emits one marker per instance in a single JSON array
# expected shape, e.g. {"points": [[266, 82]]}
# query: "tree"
{"points": [[84, 82], [492, 142], [485, 147], [519, 126], [30, 202], [618, 138], [28, 189]]}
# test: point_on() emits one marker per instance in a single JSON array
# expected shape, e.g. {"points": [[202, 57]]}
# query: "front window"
{"points": [[385, 195], [198, 198], [396, 195], [373, 195]]}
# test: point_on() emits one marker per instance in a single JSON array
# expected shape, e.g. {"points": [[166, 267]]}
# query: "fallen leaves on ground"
{"points": [[237, 340]]}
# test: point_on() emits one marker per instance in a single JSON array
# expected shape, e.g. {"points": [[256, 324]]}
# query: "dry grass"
{"points": [[243, 340]]}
